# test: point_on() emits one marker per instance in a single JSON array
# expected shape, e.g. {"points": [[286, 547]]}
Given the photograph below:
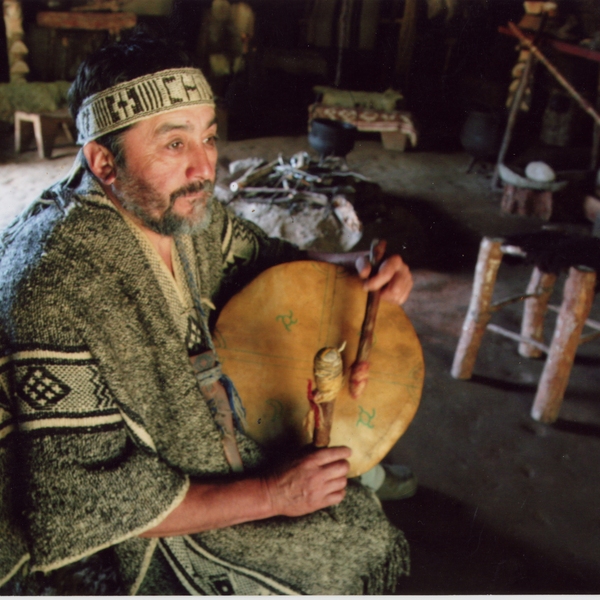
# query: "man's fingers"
{"points": [[335, 497], [386, 272], [325, 456], [335, 470], [335, 485], [310, 483], [394, 279], [363, 267]]}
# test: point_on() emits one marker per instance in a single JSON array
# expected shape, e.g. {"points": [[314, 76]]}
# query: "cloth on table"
{"points": [[102, 416]]}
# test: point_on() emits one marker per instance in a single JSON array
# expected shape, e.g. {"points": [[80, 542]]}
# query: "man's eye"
{"points": [[175, 144], [211, 140]]}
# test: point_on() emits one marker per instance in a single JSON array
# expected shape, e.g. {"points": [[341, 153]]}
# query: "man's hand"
{"points": [[307, 484], [310, 483], [394, 278]]}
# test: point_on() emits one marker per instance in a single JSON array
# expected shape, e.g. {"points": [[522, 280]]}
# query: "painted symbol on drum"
{"points": [[365, 418], [287, 320]]}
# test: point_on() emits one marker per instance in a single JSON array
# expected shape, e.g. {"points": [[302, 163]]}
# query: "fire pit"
{"points": [[304, 200]]}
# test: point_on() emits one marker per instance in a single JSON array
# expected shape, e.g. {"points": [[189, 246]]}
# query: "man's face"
{"points": [[169, 172]]}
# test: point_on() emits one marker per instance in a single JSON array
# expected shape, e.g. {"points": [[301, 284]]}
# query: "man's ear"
{"points": [[101, 162]]}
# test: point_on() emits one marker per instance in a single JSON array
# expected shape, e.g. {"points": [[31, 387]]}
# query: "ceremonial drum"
{"points": [[267, 337]]}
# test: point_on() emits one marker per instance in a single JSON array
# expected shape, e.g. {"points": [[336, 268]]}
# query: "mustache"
{"points": [[195, 187]]}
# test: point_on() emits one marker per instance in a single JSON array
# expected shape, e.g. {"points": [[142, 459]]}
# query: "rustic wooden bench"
{"points": [[44, 127], [395, 126]]}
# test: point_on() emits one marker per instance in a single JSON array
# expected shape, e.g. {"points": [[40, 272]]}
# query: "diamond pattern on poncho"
{"points": [[40, 389], [193, 337]]}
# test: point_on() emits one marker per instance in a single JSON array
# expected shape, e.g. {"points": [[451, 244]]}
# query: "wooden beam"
{"points": [[583, 103], [558, 45], [91, 21], [513, 113], [516, 337]]}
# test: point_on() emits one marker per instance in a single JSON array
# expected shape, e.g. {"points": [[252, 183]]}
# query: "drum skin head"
{"points": [[268, 334]]}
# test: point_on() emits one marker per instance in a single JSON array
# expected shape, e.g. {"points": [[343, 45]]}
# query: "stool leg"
{"points": [[45, 136], [534, 310], [578, 295], [508, 203], [479, 313], [393, 140], [18, 124], [540, 204], [23, 134]]}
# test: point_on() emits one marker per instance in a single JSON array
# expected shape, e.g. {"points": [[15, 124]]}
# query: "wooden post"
{"points": [[479, 313], [578, 295], [342, 40], [596, 134], [13, 21], [512, 116], [534, 310], [406, 41]]}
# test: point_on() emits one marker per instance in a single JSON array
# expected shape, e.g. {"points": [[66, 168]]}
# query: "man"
{"points": [[119, 432]]}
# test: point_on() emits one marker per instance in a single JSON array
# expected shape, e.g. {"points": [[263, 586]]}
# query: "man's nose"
{"points": [[200, 164]]}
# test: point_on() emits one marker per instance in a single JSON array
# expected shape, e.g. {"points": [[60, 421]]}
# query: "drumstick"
{"points": [[328, 373], [359, 371]]}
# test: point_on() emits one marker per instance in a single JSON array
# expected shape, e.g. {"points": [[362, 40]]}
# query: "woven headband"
{"points": [[132, 101]]}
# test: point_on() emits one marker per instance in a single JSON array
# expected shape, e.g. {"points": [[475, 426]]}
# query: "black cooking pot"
{"points": [[480, 135], [329, 137]]}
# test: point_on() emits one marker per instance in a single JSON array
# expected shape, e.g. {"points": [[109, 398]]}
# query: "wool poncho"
{"points": [[103, 422]]}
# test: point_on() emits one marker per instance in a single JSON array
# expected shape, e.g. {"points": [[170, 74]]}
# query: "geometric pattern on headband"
{"points": [[132, 101]]}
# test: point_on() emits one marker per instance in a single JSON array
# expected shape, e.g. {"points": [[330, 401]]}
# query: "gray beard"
{"points": [[137, 197], [170, 224]]}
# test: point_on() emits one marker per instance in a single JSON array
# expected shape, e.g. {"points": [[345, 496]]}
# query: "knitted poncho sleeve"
{"points": [[83, 474]]}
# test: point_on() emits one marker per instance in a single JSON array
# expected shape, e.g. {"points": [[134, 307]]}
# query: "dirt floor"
{"points": [[505, 505]]}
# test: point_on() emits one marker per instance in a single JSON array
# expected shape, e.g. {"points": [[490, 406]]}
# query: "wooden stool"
{"points": [[578, 295], [526, 202], [44, 127]]}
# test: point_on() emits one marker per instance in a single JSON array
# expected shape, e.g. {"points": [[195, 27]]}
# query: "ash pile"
{"points": [[305, 201]]}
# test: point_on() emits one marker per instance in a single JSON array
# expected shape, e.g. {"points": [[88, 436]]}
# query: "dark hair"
{"points": [[136, 54]]}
